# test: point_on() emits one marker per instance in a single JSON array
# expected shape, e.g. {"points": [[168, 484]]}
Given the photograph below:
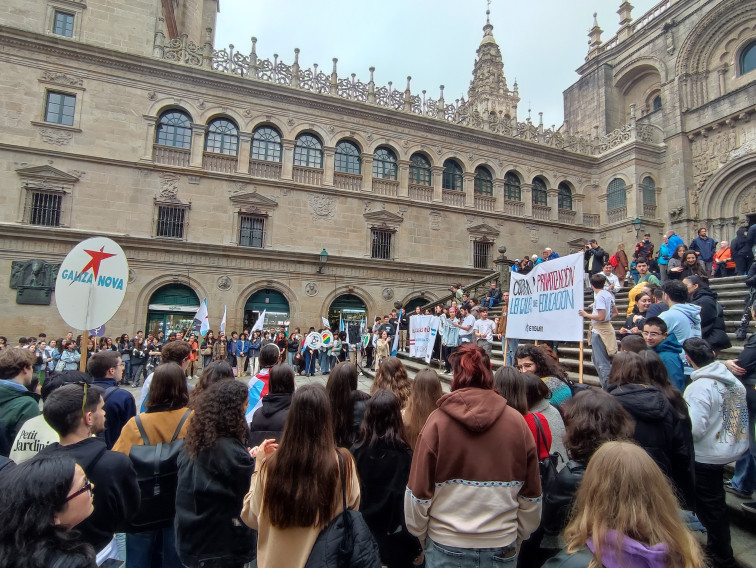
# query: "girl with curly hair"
{"points": [[391, 375], [626, 514], [42, 500], [534, 359], [214, 473]]}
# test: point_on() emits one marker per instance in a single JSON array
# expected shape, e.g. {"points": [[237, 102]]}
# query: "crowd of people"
{"points": [[519, 466]]}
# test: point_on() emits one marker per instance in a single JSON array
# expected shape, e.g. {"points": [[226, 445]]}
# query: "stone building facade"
{"points": [[224, 175]]}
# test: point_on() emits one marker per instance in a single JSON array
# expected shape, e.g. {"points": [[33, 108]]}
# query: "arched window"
{"points": [[452, 176], [615, 194], [222, 137], [347, 158], [266, 145], [384, 164], [419, 170], [483, 181], [308, 151], [174, 128], [656, 103], [540, 195], [748, 58], [649, 191], [565, 197], [512, 189]]}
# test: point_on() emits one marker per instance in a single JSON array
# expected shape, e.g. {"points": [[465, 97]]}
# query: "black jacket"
{"points": [[384, 472], [116, 491], [751, 276], [559, 496], [712, 318], [209, 499], [268, 421], [663, 434], [601, 259], [119, 409], [747, 360]]}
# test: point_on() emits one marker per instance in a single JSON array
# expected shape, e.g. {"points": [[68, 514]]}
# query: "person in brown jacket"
{"points": [[623, 265], [474, 489]]}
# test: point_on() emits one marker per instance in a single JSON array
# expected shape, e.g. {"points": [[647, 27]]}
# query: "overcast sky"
{"points": [[434, 41]]}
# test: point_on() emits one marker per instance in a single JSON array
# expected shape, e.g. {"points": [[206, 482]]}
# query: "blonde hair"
{"points": [[391, 375], [621, 246], [624, 490]]}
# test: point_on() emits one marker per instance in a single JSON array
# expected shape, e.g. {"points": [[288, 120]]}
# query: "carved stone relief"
{"points": [[56, 137], [132, 275], [62, 79], [224, 283], [435, 220], [748, 201], [322, 206], [533, 232], [33, 280], [388, 294], [311, 289], [169, 186]]}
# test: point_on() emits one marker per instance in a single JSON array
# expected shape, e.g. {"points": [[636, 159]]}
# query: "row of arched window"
{"points": [[222, 137]]}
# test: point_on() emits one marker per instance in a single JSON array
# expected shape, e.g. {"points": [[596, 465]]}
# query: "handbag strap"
{"points": [[539, 433]]}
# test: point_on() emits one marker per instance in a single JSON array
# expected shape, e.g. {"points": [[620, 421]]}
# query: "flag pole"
{"points": [[83, 351], [504, 349], [581, 362]]}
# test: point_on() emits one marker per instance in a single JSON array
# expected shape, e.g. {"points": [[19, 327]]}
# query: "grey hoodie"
{"points": [[684, 321], [718, 414]]}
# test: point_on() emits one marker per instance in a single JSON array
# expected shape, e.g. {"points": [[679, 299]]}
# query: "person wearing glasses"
{"points": [[667, 347], [41, 502], [77, 413], [106, 370]]}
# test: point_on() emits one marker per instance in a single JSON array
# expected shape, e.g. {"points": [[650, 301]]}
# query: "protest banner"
{"points": [[544, 304], [90, 286], [423, 331]]}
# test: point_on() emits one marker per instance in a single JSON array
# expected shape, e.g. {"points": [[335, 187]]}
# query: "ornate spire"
{"points": [[488, 92]]}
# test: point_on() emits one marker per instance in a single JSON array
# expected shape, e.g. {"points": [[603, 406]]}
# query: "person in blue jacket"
{"points": [[668, 349], [704, 247]]}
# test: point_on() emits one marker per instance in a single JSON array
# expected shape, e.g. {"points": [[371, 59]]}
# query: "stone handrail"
{"points": [[471, 289]]}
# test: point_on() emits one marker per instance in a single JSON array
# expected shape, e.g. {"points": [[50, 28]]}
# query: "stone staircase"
{"points": [[731, 293]]}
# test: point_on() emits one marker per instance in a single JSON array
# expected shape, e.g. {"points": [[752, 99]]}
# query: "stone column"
{"points": [[468, 185], [198, 145], [328, 158], [577, 204], [634, 200], [149, 139], [526, 194], [403, 177], [245, 146], [553, 203], [436, 174], [367, 172], [287, 159], [498, 193]]}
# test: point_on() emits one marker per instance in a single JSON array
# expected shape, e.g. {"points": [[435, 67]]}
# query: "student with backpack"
{"points": [[165, 422]]}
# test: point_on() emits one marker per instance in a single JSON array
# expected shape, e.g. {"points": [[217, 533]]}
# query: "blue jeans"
{"points": [[325, 364], [126, 371], [512, 345], [489, 302], [442, 556], [600, 358], [290, 358], [152, 549]]}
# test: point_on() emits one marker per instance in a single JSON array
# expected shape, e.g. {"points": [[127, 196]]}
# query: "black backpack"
{"points": [[157, 474]]}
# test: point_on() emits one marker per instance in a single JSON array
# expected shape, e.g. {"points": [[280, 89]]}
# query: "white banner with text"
{"points": [[423, 331], [544, 304]]}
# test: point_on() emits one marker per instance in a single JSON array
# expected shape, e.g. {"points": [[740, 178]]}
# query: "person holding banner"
{"points": [[602, 340], [449, 337]]}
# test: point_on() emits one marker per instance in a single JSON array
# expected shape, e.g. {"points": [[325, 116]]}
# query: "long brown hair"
{"points": [[302, 476], [624, 490], [628, 368], [168, 387], [426, 390], [392, 375], [591, 418], [342, 380], [219, 414], [510, 383]]}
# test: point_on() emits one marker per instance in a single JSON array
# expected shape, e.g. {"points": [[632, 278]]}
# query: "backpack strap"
{"points": [[108, 392], [181, 423], [342, 475], [140, 426]]}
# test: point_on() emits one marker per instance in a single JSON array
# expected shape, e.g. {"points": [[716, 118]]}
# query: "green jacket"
{"points": [[16, 407]]}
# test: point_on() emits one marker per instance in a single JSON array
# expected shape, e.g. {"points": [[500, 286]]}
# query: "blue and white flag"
{"points": [[395, 346], [223, 321], [201, 322], [326, 324], [341, 322]]}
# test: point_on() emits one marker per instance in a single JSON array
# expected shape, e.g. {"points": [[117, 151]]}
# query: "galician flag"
{"points": [[223, 321], [395, 347], [259, 323], [201, 322]]}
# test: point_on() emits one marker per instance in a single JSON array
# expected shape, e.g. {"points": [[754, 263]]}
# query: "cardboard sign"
{"points": [[91, 283]]}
